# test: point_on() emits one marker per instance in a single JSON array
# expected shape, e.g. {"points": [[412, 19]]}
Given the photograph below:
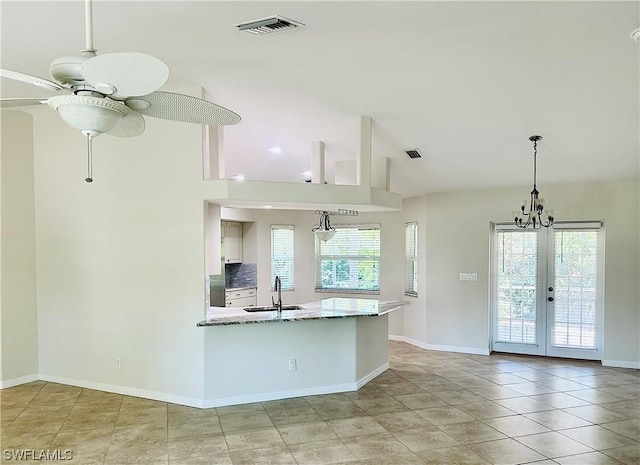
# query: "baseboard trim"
{"points": [[18, 381], [375, 373], [125, 390], [621, 364], [438, 347]]}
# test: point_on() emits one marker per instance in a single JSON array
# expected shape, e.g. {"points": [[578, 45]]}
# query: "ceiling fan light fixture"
{"points": [[91, 115]]}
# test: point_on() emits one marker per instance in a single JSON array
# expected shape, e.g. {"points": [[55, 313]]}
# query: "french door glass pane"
{"points": [[576, 266], [517, 286]]}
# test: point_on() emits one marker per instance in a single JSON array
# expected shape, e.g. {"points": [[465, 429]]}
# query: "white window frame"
{"points": [[411, 258], [355, 259], [287, 279]]}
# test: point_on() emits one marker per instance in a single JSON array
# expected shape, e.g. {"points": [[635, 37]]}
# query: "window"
{"points": [[282, 255], [350, 261], [411, 258]]}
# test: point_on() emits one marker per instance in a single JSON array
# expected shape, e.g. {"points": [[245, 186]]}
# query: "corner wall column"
{"points": [[317, 162], [363, 156]]}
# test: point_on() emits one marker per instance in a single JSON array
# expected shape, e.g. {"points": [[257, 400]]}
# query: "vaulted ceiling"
{"points": [[464, 82]]}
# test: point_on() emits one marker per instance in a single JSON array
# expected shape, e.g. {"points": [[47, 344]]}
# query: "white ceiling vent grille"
{"points": [[267, 25], [413, 153]]}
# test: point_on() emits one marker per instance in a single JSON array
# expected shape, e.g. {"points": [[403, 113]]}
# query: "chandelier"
{"points": [[535, 216], [324, 231]]}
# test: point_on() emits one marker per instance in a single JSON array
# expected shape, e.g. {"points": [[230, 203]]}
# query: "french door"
{"points": [[547, 290]]}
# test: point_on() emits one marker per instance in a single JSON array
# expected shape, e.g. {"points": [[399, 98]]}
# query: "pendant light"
{"points": [[534, 217]]}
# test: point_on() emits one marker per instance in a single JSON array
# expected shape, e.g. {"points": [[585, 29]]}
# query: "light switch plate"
{"points": [[468, 276]]}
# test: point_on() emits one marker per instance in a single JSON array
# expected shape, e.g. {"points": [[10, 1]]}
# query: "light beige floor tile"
{"points": [[142, 416], [347, 427], [148, 432], [629, 455], [330, 451], [138, 452], [255, 439], [485, 409], [553, 444], [196, 446], [191, 426], [89, 421], [560, 400], [444, 415], [472, 431], [91, 395], [269, 456], [216, 459], [497, 392], [408, 387], [590, 458], [341, 396], [380, 405], [516, 425], [375, 445], [524, 405], [288, 416], [630, 408], [306, 432], [598, 437], [628, 428], [557, 419], [595, 396], [242, 408], [505, 452], [503, 378], [459, 455], [400, 421], [245, 421], [456, 397], [341, 409], [281, 404], [420, 400], [596, 414], [531, 389], [425, 439], [44, 412], [626, 391], [562, 384], [399, 459], [134, 403]]}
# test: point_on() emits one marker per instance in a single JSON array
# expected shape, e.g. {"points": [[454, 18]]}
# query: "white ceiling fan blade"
{"points": [[130, 125], [21, 102], [180, 107], [126, 74], [34, 80]]}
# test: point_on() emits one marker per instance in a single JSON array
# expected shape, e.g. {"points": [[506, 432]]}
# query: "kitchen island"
{"points": [[327, 308], [335, 345]]}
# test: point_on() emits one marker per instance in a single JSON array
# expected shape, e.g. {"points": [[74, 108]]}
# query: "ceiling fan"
{"points": [[109, 93]]}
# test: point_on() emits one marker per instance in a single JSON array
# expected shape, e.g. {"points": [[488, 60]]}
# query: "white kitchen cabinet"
{"points": [[232, 233], [241, 297]]}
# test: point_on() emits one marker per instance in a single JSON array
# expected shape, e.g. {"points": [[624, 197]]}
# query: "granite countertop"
{"points": [[327, 308], [244, 288]]}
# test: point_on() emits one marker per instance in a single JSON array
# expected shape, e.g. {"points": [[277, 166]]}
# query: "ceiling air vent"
{"points": [[273, 23], [413, 153]]}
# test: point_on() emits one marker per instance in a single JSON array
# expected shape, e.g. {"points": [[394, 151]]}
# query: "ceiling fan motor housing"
{"points": [[66, 70]]}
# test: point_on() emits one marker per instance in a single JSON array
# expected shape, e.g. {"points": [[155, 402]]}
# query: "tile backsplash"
{"points": [[241, 275]]}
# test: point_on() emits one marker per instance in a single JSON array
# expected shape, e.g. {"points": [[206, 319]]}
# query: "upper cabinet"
{"points": [[232, 233]]}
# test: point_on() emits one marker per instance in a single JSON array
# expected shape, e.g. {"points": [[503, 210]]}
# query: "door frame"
{"points": [[544, 310]]}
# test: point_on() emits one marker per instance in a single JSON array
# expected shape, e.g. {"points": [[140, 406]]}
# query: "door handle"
{"points": [[550, 299]]}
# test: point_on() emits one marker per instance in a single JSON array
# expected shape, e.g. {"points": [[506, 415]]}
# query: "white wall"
{"points": [[455, 238], [18, 315], [121, 261]]}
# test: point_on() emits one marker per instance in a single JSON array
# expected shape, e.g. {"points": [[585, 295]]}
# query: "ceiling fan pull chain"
{"points": [[89, 177]]}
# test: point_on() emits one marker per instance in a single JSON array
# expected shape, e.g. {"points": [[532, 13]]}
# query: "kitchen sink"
{"points": [[271, 308]]}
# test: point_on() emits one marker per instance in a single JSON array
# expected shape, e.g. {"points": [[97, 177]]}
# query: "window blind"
{"points": [[411, 258], [282, 255], [350, 261]]}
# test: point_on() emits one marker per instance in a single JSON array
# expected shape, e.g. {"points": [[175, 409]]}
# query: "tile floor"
{"points": [[428, 408]]}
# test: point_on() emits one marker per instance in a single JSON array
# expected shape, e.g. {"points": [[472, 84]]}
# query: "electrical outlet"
{"points": [[117, 363], [468, 276], [293, 365]]}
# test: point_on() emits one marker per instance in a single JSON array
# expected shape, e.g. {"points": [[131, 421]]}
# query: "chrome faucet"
{"points": [[277, 287]]}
